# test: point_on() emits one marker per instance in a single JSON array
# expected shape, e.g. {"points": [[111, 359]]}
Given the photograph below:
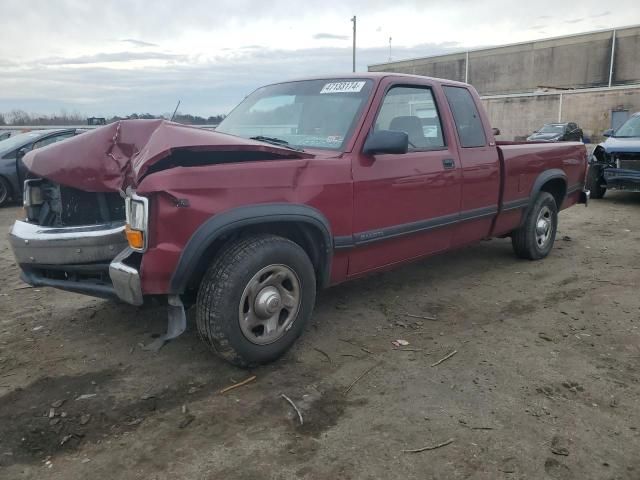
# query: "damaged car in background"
{"points": [[304, 185], [557, 132], [615, 163], [13, 149]]}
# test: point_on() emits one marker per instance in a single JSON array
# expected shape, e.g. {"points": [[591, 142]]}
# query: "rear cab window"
{"points": [[466, 117]]}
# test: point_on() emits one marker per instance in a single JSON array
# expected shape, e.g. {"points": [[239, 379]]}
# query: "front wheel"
{"points": [[5, 191], [534, 239], [255, 299], [595, 182]]}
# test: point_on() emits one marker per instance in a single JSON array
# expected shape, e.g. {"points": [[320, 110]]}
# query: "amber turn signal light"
{"points": [[134, 237]]}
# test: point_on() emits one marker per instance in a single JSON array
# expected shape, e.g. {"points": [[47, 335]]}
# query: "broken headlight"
{"points": [[32, 193], [137, 211]]}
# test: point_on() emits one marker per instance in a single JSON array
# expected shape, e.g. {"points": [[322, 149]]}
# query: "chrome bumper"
{"points": [[126, 279], [93, 260], [33, 244]]}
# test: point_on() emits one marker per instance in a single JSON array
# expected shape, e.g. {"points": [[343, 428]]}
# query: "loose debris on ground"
{"points": [[431, 447], [237, 385]]}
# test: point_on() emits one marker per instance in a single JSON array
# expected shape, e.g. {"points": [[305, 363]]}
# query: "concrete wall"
{"points": [[519, 116], [577, 61], [451, 67], [627, 56], [565, 64], [573, 62]]}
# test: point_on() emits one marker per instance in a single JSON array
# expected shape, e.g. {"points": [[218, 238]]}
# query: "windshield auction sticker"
{"points": [[342, 87]]}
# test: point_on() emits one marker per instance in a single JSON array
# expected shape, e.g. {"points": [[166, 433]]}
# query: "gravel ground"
{"points": [[544, 384]]}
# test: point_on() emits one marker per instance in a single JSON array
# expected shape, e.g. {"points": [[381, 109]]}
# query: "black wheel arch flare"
{"points": [[230, 221]]}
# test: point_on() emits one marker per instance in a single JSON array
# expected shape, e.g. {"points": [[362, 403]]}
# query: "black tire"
{"points": [[5, 191], [595, 182], [526, 239], [225, 285]]}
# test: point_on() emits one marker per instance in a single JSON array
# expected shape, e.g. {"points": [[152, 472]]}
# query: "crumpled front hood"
{"points": [[118, 155], [621, 145]]}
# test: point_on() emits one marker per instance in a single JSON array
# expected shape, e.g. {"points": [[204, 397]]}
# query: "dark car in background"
{"points": [[557, 132], [615, 163], [13, 149]]}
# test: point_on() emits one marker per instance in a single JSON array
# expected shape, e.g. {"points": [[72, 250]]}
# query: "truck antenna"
{"points": [[174, 112]]}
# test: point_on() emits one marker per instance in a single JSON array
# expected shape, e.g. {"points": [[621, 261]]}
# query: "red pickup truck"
{"points": [[304, 185]]}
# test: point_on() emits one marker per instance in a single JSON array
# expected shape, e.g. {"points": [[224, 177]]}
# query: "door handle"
{"points": [[448, 163]]}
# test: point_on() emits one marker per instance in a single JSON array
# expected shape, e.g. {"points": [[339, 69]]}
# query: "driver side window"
{"points": [[412, 110]]}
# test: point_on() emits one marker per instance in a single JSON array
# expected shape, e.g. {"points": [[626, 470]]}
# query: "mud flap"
{"points": [[585, 195], [176, 324]]}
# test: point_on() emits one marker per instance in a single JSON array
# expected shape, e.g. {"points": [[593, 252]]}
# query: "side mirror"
{"points": [[21, 153], [496, 131], [608, 133], [386, 141]]}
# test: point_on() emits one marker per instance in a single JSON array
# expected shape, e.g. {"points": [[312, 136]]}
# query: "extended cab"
{"points": [[304, 185]]}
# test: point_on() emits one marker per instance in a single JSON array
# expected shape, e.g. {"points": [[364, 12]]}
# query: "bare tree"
{"points": [[20, 117]]}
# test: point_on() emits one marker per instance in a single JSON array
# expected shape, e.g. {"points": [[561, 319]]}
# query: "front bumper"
{"points": [[37, 245], [622, 179], [93, 260]]}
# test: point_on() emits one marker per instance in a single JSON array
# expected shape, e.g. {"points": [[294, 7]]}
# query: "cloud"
{"points": [[603, 14], [139, 43], [574, 20], [112, 58], [330, 36], [207, 87], [119, 56]]}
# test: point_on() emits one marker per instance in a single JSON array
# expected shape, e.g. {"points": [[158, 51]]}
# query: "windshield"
{"points": [[306, 114], [16, 141], [551, 129], [630, 128]]}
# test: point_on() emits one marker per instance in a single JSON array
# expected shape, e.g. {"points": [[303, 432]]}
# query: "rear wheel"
{"points": [[534, 239], [595, 182], [5, 191], [255, 299]]}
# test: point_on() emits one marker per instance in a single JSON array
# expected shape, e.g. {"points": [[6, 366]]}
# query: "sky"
{"points": [[113, 57]]}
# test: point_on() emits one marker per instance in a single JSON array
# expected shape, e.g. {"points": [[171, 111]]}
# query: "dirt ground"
{"points": [[545, 382]]}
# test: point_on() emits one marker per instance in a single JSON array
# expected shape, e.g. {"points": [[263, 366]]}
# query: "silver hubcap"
{"points": [[544, 227], [269, 304], [3, 193]]}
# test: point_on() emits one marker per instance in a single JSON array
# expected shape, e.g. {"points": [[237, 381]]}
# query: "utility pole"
{"points": [[354, 43], [389, 48]]}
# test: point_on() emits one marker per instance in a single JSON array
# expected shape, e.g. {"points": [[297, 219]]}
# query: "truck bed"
{"points": [[521, 164]]}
